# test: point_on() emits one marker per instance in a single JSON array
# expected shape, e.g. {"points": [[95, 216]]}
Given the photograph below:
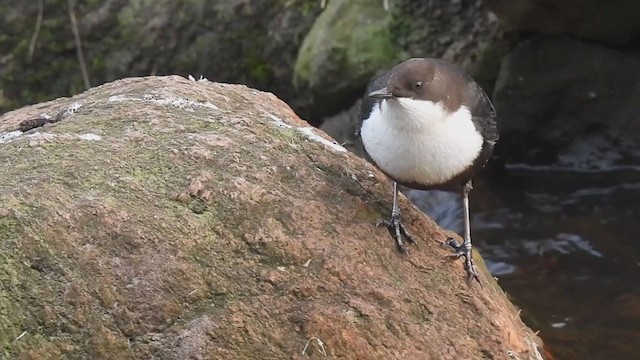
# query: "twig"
{"points": [[320, 343], [536, 353], [76, 35], [513, 355], [6, 58], [20, 337], [36, 31]]}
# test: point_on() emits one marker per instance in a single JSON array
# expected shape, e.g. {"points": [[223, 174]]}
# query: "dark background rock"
{"points": [[611, 22], [555, 94]]}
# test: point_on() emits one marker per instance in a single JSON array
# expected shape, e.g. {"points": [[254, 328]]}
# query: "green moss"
{"points": [[350, 38], [198, 206], [107, 345], [399, 25], [482, 268], [329, 229], [369, 215], [4, 102], [307, 7], [8, 228], [11, 318], [21, 287], [289, 134], [371, 45], [258, 69]]}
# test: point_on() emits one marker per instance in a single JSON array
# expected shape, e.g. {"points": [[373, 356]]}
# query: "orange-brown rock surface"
{"points": [[172, 219]]}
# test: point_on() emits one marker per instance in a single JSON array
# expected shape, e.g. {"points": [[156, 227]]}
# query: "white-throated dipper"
{"points": [[428, 125]]}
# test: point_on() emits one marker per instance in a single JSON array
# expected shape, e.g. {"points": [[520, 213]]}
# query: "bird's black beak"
{"points": [[383, 93]]}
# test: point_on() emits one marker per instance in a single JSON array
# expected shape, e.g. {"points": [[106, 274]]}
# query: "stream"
{"points": [[564, 245]]}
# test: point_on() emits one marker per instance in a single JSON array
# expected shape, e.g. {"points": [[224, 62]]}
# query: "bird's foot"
{"points": [[398, 231], [464, 250]]}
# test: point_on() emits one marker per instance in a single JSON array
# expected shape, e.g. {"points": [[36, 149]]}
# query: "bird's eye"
{"points": [[418, 85]]}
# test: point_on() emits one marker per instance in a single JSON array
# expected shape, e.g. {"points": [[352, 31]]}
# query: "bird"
{"points": [[428, 125]]}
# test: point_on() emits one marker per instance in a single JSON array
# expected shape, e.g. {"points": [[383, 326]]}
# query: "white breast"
{"points": [[419, 141]]}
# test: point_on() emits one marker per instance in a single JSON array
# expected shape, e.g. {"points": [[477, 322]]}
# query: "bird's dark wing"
{"points": [[484, 115]]}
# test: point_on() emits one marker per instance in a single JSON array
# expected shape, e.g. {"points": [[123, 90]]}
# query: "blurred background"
{"points": [[556, 213]]}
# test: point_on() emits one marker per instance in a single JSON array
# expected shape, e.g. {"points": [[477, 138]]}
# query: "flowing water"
{"points": [[565, 246]]}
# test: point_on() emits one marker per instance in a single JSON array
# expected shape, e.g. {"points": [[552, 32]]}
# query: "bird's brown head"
{"points": [[429, 80], [410, 79]]}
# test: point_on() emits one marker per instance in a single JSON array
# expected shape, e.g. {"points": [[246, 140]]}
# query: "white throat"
{"points": [[420, 141]]}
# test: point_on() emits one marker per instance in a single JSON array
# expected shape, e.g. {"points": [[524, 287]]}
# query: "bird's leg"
{"points": [[465, 248], [394, 224]]}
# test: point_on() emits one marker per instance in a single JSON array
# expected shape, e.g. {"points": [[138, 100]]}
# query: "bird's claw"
{"points": [[469, 265], [398, 231]]}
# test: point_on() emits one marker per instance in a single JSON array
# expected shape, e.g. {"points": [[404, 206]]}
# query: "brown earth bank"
{"points": [[172, 219]]}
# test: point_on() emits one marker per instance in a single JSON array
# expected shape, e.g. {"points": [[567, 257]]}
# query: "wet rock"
{"points": [[611, 22], [569, 101], [104, 256]]}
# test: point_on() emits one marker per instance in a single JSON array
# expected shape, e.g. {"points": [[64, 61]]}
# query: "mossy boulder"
{"points": [[172, 219], [347, 44]]}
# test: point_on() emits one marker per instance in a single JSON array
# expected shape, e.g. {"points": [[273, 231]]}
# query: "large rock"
{"points": [[613, 22], [351, 41], [171, 219], [570, 102], [254, 42]]}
